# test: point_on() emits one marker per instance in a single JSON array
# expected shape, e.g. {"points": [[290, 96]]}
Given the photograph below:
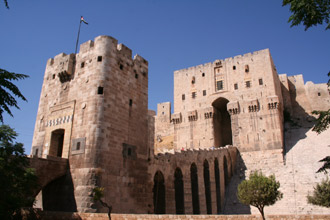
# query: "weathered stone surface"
{"points": [[228, 120]]}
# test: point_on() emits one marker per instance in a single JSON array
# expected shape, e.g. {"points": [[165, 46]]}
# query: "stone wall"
{"points": [[214, 168], [235, 101], [295, 169], [103, 216]]}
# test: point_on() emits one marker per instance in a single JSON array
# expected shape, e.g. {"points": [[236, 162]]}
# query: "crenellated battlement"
{"points": [[218, 62]]}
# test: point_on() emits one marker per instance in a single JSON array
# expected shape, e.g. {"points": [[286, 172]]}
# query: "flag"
{"points": [[82, 20]]}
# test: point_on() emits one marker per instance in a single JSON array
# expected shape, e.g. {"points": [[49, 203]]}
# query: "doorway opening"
{"points": [[56, 143], [221, 123]]}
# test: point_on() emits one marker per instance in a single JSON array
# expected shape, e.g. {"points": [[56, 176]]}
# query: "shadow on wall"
{"points": [[232, 204], [295, 118], [58, 195]]}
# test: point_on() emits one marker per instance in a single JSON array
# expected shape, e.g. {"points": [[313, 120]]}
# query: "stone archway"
{"points": [[179, 191], [194, 188], [217, 185], [221, 123], [159, 193], [58, 195], [207, 187]]}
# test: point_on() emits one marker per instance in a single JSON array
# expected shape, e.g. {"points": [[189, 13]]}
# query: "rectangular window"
{"points": [[220, 85], [100, 90], [248, 84], [193, 95], [204, 92], [235, 86], [99, 59], [82, 64], [246, 68], [183, 97], [261, 82], [130, 102]]}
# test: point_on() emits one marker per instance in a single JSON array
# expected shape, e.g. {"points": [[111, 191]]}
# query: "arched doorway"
{"points": [[207, 187], [194, 188], [221, 123], [56, 143], [217, 184], [58, 195], [159, 193], [179, 191]]}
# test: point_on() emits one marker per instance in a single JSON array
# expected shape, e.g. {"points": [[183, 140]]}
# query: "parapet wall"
{"points": [[103, 216]]}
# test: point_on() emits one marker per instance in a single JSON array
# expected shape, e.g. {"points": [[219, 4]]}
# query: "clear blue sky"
{"points": [[170, 34]]}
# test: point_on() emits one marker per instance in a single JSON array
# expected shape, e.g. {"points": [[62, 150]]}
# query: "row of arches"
{"points": [[159, 189]]}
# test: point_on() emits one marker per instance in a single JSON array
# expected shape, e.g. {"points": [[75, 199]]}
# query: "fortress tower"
{"points": [[93, 114], [93, 111]]}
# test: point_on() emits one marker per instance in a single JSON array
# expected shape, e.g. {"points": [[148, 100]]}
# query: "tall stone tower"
{"points": [[93, 111]]}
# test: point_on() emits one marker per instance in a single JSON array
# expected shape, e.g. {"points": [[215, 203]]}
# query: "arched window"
{"points": [[225, 170], [207, 187], [194, 188], [217, 184], [159, 193], [179, 191]]}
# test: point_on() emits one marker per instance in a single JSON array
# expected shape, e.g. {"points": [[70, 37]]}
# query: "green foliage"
{"points": [[17, 181], [309, 12], [98, 194], [321, 194], [7, 87], [259, 191], [326, 165], [322, 122]]}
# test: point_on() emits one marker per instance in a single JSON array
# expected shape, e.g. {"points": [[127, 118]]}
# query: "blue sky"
{"points": [[170, 34]]}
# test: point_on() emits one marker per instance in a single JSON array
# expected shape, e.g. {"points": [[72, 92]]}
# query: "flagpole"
{"points": [[75, 52]]}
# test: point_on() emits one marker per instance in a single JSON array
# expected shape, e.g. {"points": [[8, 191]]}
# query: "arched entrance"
{"points": [[221, 123], [194, 188], [207, 187], [217, 184], [58, 195], [56, 143], [159, 193], [179, 191]]}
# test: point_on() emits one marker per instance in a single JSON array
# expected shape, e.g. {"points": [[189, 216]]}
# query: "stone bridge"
{"points": [[48, 169]]}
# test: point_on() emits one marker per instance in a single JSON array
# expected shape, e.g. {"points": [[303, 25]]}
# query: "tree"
{"points": [[322, 123], [321, 194], [7, 87], [309, 12], [98, 194], [259, 191], [17, 181]]}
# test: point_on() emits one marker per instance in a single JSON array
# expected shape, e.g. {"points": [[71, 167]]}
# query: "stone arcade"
{"points": [[93, 113]]}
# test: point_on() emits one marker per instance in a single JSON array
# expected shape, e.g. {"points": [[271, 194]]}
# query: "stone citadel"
{"points": [[230, 116]]}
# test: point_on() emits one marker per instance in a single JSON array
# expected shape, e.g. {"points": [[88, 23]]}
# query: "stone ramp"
{"points": [[295, 169]]}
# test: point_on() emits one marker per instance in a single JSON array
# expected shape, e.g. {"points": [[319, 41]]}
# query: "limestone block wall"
{"points": [[94, 104], [295, 169], [301, 99], [247, 87], [218, 163]]}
